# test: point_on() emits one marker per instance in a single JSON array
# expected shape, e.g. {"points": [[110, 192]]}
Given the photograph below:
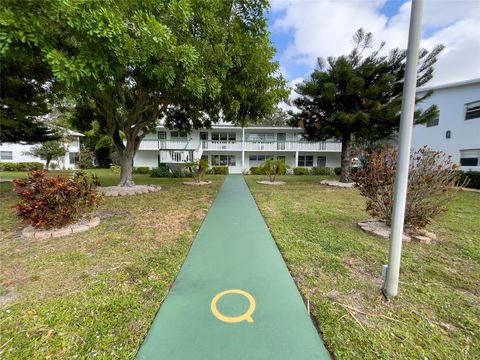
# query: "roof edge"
{"points": [[449, 85]]}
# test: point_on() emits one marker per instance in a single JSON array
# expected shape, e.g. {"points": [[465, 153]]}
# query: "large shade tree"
{"points": [[359, 97], [23, 96], [188, 62]]}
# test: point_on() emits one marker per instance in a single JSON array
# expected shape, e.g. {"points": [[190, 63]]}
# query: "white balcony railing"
{"points": [[221, 145], [232, 145], [175, 156], [154, 144], [292, 146]]}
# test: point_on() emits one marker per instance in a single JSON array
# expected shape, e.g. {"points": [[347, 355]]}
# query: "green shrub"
{"points": [[85, 158], [300, 171], [162, 172], [115, 169], [197, 168], [220, 170], [471, 179], [48, 202], [337, 170], [273, 168], [320, 170], [141, 170], [257, 170], [21, 166]]}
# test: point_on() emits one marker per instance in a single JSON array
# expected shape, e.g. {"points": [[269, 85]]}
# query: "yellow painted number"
{"points": [[247, 316]]}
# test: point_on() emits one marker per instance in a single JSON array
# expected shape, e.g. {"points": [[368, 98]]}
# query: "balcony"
{"points": [[154, 144], [292, 146], [232, 145], [176, 156], [221, 145]]}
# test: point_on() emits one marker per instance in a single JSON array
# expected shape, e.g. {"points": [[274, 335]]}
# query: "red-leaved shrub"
{"points": [[50, 202], [431, 177]]}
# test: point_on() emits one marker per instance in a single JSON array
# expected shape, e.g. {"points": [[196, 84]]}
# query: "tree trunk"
{"points": [[126, 167], [47, 163], [346, 161]]}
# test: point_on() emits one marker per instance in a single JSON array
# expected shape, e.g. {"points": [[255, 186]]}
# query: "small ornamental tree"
{"points": [[198, 168], [85, 158], [50, 202], [431, 177], [50, 150], [273, 168]]}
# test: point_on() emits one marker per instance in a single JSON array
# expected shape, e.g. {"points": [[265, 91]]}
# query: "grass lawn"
{"points": [[95, 294], [106, 176], [336, 267]]}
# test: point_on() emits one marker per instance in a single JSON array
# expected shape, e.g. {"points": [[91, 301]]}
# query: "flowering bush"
{"points": [[431, 177], [48, 202]]}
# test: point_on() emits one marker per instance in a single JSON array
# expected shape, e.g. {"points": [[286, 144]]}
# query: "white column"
{"points": [[296, 159], [243, 148], [404, 144]]}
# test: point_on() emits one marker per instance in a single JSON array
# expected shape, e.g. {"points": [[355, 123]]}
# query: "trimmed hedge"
{"points": [[300, 171], [166, 173], [21, 166], [141, 170], [337, 171], [320, 171], [473, 178], [219, 170], [160, 172]]}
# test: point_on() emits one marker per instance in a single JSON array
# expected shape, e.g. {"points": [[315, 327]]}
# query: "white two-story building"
{"points": [[236, 147], [456, 131], [17, 152]]}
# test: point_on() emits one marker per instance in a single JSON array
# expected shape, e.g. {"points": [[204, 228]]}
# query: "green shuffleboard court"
{"points": [[234, 297]]}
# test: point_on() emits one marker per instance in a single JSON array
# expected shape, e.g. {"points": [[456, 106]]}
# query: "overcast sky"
{"points": [[303, 30]]}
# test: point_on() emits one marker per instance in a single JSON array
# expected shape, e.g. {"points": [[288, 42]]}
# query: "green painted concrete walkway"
{"points": [[233, 250]]}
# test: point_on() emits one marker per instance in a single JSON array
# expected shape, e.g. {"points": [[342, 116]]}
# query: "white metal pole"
{"points": [[404, 144]]}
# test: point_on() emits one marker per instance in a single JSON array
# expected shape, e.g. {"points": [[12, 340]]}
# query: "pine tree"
{"points": [[359, 97]]}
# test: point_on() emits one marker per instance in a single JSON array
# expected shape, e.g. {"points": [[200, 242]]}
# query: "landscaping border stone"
{"points": [[114, 191], [197, 183], [273, 183], [31, 233], [336, 183], [379, 228]]}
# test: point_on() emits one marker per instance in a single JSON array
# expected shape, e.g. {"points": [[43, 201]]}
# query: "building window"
{"points": [[223, 136], [469, 157], [261, 137], [321, 161], [472, 110], [448, 134], [6, 155], [73, 156], [223, 160], [260, 158], [305, 160], [433, 122], [178, 135], [162, 135]]}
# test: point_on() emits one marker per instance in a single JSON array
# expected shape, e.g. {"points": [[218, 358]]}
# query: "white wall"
{"points": [[18, 155], [146, 158], [465, 134]]}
